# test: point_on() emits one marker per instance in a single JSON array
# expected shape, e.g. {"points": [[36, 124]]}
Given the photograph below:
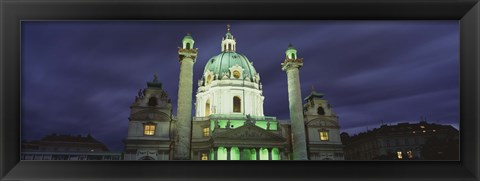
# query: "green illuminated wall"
{"points": [[246, 154], [222, 153], [212, 154], [234, 153], [253, 154], [263, 154], [275, 154]]}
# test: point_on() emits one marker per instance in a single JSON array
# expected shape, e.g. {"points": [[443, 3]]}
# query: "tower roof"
{"points": [[188, 37], [314, 94], [291, 47], [155, 83]]}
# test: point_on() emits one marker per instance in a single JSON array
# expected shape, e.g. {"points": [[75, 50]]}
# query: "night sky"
{"points": [[80, 77]]}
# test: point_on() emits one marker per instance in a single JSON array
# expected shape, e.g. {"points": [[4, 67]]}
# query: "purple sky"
{"points": [[81, 77]]}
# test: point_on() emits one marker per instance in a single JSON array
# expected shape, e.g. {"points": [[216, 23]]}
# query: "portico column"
{"points": [[241, 153], [257, 153], [270, 153], [228, 152], [215, 153]]}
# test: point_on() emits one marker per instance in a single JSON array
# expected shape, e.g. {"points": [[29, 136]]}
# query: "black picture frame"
{"points": [[14, 11]]}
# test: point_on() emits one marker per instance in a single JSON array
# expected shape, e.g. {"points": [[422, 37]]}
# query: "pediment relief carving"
{"points": [[249, 132]]}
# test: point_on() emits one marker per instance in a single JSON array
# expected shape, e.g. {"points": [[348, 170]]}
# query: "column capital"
{"points": [[187, 54], [292, 63]]}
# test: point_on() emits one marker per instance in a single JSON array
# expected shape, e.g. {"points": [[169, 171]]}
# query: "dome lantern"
{"points": [[228, 42]]}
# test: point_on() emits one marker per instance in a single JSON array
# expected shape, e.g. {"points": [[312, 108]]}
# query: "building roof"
{"points": [[417, 129], [70, 138], [221, 63], [314, 94]]}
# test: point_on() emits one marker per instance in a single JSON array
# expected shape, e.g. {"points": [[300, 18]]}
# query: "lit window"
{"points": [[434, 130], [206, 132], [324, 135], [399, 155], [209, 79], [236, 104], [236, 74], [149, 129], [207, 108], [414, 132], [410, 154], [204, 156], [424, 131], [423, 127]]}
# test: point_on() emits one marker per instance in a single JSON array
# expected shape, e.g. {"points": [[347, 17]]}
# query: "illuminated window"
{"points": [[206, 132], [149, 129], [424, 131], [423, 127], [188, 45], [209, 79], [410, 154], [434, 130], [236, 74], [236, 104], [399, 155], [207, 108], [204, 156], [324, 135]]}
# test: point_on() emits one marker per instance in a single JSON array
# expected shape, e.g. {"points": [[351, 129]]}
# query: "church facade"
{"points": [[229, 122]]}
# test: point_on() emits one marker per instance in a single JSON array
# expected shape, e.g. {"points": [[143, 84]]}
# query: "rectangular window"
{"points": [[324, 135], [149, 130], [399, 155], [206, 132], [204, 156]]}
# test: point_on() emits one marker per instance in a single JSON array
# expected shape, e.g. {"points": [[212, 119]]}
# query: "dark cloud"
{"points": [[81, 77]]}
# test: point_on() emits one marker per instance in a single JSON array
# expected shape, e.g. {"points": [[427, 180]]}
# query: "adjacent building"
{"points": [[404, 141], [67, 147]]}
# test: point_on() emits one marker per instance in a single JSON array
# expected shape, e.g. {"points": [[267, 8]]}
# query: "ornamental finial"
{"points": [[313, 88], [188, 33], [155, 77], [228, 28]]}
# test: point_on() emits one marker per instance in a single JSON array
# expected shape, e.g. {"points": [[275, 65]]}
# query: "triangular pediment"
{"points": [[248, 132]]}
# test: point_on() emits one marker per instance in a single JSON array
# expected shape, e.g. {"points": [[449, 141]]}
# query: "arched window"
{"points": [[237, 104], [229, 46], [209, 79], [293, 56], [152, 101], [224, 47], [188, 45], [321, 111], [207, 108]]}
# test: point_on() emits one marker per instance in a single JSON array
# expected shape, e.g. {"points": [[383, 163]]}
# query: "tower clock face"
{"points": [[236, 74]]}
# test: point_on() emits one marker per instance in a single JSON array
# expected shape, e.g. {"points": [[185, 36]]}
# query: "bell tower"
{"points": [[187, 56]]}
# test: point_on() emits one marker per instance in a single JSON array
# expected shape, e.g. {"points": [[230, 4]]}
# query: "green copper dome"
{"points": [[221, 63], [187, 37]]}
